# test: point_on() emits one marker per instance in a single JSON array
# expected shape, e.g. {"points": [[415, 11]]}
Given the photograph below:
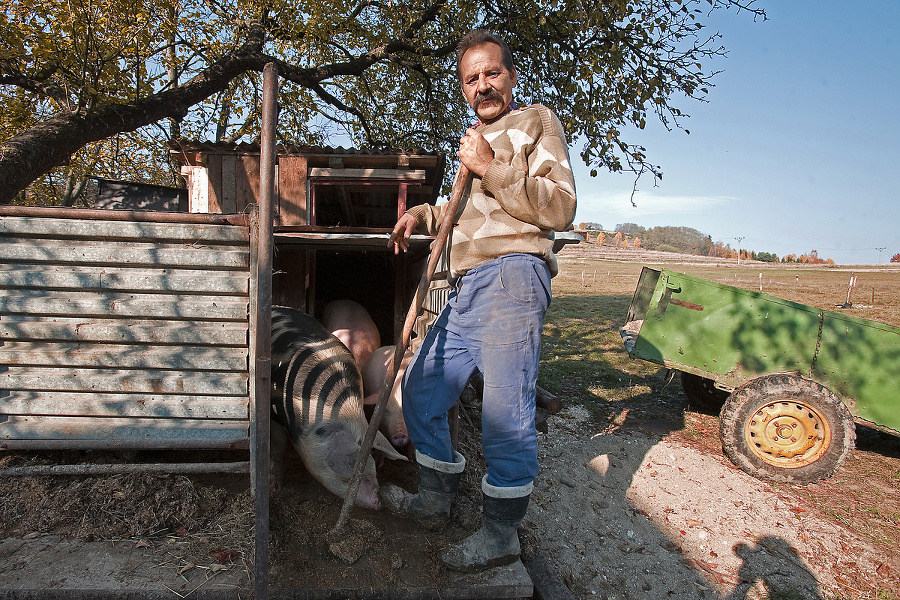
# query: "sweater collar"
{"points": [[512, 106]]}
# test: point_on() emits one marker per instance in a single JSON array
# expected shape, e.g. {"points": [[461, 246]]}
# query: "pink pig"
{"points": [[350, 322]]}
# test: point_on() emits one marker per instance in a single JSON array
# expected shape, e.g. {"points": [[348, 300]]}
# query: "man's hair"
{"points": [[478, 37]]}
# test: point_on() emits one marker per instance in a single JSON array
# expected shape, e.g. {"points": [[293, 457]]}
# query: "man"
{"points": [[500, 263]]}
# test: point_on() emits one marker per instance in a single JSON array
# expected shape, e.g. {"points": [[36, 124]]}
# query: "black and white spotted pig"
{"points": [[317, 398]]}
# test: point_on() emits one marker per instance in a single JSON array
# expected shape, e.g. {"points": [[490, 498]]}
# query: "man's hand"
{"points": [[475, 152], [402, 231]]}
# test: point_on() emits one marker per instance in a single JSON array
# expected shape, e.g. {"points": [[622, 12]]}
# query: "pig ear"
{"points": [[384, 446], [342, 451]]}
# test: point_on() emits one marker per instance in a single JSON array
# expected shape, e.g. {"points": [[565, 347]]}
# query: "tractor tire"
{"points": [[702, 391], [787, 429]]}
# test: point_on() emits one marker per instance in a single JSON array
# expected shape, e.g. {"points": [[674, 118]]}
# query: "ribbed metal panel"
{"points": [[123, 334]]}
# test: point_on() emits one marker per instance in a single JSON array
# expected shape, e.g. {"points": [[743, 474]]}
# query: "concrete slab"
{"points": [[47, 567], [50, 567]]}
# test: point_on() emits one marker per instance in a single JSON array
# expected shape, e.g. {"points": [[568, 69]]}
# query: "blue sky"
{"points": [[798, 147]]}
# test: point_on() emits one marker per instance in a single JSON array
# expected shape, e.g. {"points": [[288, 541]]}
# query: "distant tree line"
{"points": [[590, 226], [687, 240], [684, 240]]}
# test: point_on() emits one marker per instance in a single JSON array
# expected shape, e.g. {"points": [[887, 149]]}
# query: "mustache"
{"points": [[489, 94]]}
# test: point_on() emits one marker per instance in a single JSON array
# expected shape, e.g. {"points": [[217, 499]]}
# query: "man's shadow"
{"points": [[772, 568]]}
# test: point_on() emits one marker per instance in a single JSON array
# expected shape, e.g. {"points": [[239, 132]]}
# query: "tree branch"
{"points": [[50, 143]]}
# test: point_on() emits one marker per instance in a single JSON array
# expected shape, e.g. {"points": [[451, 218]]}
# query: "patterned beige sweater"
{"points": [[527, 193]]}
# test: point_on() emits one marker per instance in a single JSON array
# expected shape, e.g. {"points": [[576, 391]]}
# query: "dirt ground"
{"points": [[627, 508], [637, 510], [634, 501]]}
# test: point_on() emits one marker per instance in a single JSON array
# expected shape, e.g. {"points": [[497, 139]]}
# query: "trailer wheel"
{"points": [[702, 391], [786, 428]]}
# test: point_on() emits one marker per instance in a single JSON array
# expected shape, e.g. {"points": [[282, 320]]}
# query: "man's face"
{"points": [[485, 82]]}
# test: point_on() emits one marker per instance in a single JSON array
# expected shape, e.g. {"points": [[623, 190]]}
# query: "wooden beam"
{"points": [[80, 329], [133, 381], [123, 356], [388, 174]]}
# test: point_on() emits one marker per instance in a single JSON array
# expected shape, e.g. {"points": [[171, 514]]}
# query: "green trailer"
{"points": [[792, 380]]}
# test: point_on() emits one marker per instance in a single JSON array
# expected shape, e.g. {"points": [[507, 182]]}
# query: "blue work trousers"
{"points": [[492, 323]]}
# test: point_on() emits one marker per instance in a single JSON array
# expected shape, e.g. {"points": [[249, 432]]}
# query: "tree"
{"points": [[630, 229], [685, 239], [79, 80]]}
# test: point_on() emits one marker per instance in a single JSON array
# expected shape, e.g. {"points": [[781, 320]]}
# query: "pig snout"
{"points": [[351, 323], [399, 439], [392, 425], [367, 497], [330, 454]]}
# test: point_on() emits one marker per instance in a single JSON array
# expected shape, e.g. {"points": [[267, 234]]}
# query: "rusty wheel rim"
{"points": [[788, 433]]}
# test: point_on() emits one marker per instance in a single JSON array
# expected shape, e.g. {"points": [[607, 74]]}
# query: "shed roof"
{"points": [[433, 163]]}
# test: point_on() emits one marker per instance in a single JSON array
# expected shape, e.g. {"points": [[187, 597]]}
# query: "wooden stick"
{"points": [[548, 401], [459, 185]]}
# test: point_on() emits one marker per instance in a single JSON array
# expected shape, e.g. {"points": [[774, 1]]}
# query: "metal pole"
{"points": [[459, 186], [262, 323], [116, 469]]}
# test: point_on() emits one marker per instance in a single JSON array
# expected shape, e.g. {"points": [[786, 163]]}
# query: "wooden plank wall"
{"points": [[123, 334]]}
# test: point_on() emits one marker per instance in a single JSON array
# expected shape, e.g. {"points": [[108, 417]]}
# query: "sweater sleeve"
{"points": [[428, 218], [544, 195]]}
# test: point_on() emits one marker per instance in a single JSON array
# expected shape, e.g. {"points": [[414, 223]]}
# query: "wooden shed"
{"points": [[334, 210], [123, 330]]}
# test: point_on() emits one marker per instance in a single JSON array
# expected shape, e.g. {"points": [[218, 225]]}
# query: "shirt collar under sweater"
{"points": [[512, 106]]}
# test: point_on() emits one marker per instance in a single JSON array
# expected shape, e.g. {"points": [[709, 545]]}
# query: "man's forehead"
{"points": [[488, 52]]}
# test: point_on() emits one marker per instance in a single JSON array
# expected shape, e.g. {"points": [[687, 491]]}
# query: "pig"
{"points": [[317, 399], [350, 322], [373, 373]]}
